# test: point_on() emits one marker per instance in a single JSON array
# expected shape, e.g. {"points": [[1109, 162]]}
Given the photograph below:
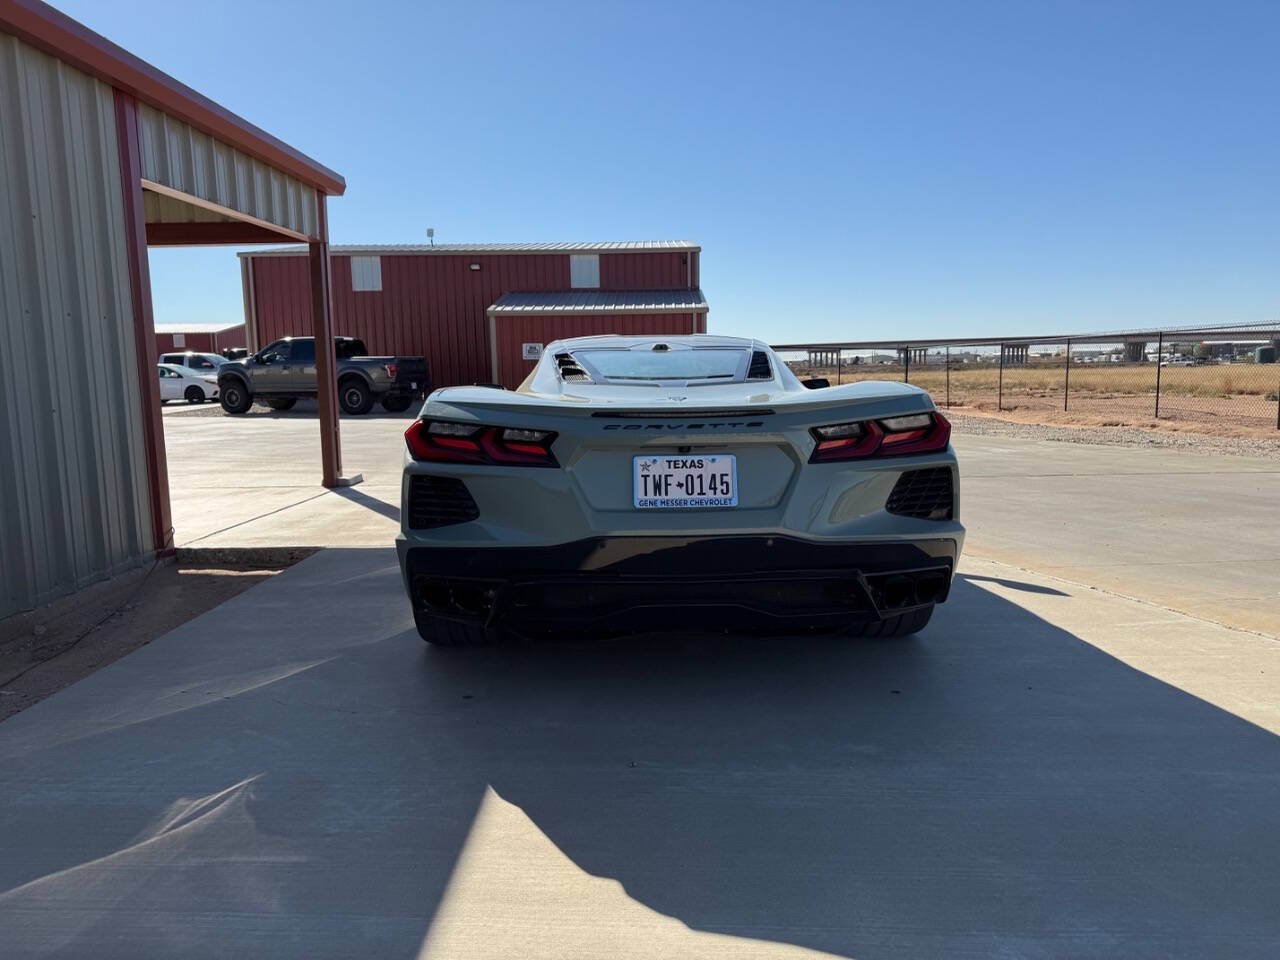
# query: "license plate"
{"points": [[684, 482]]}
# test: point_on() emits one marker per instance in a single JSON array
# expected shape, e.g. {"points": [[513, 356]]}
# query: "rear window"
{"points": [[650, 364]]}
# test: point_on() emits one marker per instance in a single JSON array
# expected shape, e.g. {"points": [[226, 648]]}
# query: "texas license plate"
{"points": [[683, 482]]}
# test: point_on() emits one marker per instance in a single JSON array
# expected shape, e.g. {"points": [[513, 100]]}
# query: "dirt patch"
{"points": [[46, 649], [1234, 400], [1085, 420]]}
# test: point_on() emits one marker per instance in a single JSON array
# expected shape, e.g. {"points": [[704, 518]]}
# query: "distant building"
{"points": [[199, 337], [480, 313]]}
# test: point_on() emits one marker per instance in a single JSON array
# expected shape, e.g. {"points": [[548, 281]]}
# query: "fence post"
{"points": [[1159, 364], [906, 364], [1000, 386], [839, 358], [1066, 386], [949, 385]]}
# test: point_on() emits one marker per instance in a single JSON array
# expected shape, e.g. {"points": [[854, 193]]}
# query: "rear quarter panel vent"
{"points": [[439, 502], [924, 494], [570, 370], [760, 368]]}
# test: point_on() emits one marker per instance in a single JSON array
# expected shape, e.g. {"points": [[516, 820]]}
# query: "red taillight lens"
{"points": [[391, 369], [902, 437], [846, 441], [441, 441], [888, 437]]}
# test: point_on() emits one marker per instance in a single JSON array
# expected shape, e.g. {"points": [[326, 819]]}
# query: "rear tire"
{"points": [[194, 394], [396, 404], [282, 403], [235, 397], [442, 632], [903, 625], [354, 396]]}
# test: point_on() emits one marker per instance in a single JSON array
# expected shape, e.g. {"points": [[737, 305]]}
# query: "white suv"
{"points": [[199, 362]]}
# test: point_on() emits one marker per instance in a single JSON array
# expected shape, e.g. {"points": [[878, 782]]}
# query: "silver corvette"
{"points": [[675, 483]]}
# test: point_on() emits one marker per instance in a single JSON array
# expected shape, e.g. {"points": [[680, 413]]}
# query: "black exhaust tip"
{"points": [[471, 598], [929, 587], [465, 598], [898, 592], [434, 594]]}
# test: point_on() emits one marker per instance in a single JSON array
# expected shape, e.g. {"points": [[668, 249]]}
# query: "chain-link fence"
{"points": [[1203, 375]]}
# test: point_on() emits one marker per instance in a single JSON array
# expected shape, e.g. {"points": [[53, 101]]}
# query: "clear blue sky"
{"points": [[850, 169]]}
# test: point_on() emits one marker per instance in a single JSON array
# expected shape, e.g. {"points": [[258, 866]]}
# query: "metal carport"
{"points": [[101, 154]]}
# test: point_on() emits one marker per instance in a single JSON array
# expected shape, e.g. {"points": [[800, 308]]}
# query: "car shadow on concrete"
{"points": [[307, 410], [389, 510], [1013, 584], [312, 788]]}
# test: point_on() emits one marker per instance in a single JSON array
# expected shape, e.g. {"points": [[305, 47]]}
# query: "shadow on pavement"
{"points": [[994, 787], [355, 495], [1014, 584]]}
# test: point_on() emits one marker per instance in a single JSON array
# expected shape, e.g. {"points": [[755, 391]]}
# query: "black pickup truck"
{"points": [[283, 371]]}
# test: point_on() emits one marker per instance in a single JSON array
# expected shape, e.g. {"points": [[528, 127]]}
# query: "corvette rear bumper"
{"points": [[637, 583]]}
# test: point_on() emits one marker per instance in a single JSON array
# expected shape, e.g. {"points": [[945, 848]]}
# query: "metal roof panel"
{"points": [[388, 249], [559, 302]]}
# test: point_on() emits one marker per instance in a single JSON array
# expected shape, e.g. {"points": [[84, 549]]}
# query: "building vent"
{"points": [[923, 494], [759, 369], [439, 502], [570, 370]]}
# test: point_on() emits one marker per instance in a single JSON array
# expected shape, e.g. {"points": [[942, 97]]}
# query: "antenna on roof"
{"points": [[431, 235]]}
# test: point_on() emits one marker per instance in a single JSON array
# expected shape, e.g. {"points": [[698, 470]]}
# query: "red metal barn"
{"points": [[469, 307], [199, 337]]}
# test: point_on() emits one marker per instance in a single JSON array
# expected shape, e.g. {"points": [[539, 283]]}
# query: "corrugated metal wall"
{"points": [[178, 156], [74, 504], [515, 331], [434, 304]]}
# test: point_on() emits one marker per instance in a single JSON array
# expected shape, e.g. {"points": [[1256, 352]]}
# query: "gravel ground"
{"points": [[1117, 436]]}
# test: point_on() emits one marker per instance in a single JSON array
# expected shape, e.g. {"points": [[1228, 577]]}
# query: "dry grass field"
{"points": [[1241, 397]]}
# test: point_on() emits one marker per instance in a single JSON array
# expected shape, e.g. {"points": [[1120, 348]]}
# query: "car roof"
{"points": [[611, 341]]}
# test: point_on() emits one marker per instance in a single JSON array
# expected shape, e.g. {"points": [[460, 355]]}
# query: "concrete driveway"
{"points": [[1194, 532], [1047, 771]]}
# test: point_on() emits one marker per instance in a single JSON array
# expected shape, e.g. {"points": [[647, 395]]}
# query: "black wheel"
{"points": [[194, 394], [235, 397], [354, 396], [903, 625], [450, 633], [396, 404], [282, 403]]}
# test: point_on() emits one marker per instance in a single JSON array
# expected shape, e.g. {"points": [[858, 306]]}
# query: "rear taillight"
{"points": [[443, 441], [888, 437], [391, 369]]}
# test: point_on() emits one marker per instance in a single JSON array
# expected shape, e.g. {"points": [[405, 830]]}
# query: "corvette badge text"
{"points": [[714, 425]]}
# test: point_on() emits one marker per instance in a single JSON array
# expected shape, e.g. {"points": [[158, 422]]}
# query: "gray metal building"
{"points": [[100, 155]]}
